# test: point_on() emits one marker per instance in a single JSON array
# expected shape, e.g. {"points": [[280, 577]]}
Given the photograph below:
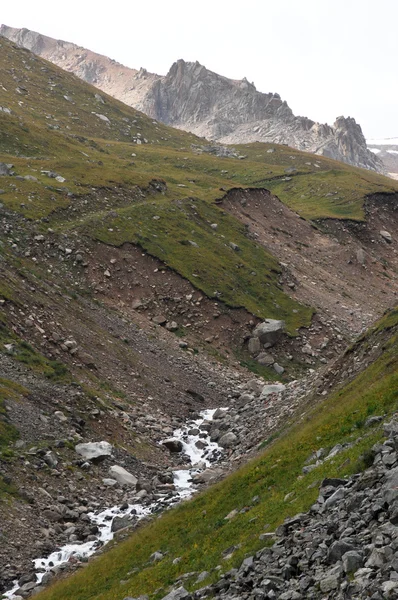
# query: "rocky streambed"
{"points": [[201, 450], [193, 440]]}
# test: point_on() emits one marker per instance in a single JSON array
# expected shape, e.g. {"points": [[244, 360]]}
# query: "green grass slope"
{"points": [[198, 532]]}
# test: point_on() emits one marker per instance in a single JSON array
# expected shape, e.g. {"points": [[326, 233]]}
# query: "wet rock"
{"points": [[119, 523], [173, 445]]}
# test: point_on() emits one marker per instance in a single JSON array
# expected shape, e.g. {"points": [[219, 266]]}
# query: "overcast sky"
{"points": [[324, 57]]}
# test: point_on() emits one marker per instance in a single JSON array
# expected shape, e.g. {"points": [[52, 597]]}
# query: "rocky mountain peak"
{"points": [[193, 98]]}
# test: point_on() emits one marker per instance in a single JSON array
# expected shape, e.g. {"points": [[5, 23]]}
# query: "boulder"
{"points": [[264, 358], [207, 476], [160, 320], [119, 523], [254, 345], [386, 236], [94, 450], [50, 458], [228, 440], [122, 476], [178, 594], [269, 332], [4, 169], [275, 388], [173, 445]]}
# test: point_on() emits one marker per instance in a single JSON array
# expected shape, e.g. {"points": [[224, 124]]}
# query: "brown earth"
{"points": [[345, 269]]}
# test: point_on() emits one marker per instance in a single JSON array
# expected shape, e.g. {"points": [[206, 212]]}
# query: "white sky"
{"points": [[324, 57]]}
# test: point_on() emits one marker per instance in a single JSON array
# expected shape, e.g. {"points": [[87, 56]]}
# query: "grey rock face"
{"points": [[193, 98]]}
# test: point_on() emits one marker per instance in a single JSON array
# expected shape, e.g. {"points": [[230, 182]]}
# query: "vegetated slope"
{"points": [[195, 99], [100, 235], [66, 130], [204, 533]]}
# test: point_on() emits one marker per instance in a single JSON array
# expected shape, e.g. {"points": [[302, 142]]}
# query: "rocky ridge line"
{"points": [[192, 98]]}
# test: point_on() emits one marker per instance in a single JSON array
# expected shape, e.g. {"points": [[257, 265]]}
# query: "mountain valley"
{"points": [[147, 275]]}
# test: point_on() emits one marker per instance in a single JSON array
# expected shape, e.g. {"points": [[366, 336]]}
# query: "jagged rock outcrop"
{"points": [[195, 99]]}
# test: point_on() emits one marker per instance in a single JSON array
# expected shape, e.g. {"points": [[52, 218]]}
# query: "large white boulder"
{"points": [[94, 450], [122, 476]]}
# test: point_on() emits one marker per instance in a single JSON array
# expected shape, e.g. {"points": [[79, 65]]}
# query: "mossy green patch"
{"points": [[198, 532]]}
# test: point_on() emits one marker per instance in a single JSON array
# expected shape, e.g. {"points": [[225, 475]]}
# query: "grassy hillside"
{"points": [[198, 532], [65, 141]]}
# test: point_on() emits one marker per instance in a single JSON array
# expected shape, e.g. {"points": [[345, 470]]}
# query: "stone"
{"points": [[160, 320], [338, 549], [264, 358], [276, 388], [109, 482], [335, 497], [254, 345], [228, 440], [94, 450], [178, 594], [379, 557], [386, 236], [4, 169], [119, 523], [330, 581], [207, 476], [390, 487], [278, 368], [173, 445], [122, 476], [352, 561], [156, 557], [391, 429], [270, 331], [50, 458], [370, 421], [361, 256]]}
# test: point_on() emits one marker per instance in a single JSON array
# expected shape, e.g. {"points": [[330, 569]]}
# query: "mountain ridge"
{"points": [[195, 99]]}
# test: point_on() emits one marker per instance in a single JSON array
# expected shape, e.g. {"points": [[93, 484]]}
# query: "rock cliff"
{"points": [[192, 98]]}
